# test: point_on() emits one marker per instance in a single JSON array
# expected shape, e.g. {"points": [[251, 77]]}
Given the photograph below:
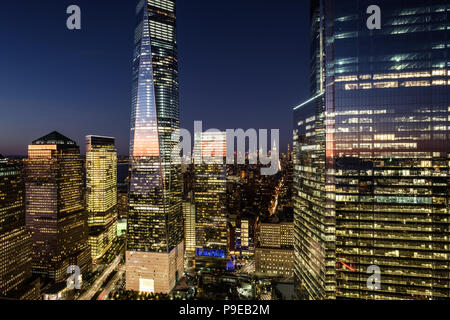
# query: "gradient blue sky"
{"points": [[243, 64]]}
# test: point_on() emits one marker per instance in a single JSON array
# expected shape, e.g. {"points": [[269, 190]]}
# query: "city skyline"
{"points": [[355, 208], [236, 41]]}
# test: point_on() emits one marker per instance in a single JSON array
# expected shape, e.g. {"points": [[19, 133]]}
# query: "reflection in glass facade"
{"points": [[55, 211], [155, 221], [371, 153], [101, 193]]}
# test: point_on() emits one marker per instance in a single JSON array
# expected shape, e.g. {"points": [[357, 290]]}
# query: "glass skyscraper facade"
{"points": [[209, 190], [371, 153], [55, 211], [155, 234], [101, 193]]}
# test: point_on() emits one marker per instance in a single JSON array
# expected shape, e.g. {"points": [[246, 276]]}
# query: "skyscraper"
{"points": [[154, 259], [55, 210], [101, 188], [15, 240], [371, 153], [209, 196]]}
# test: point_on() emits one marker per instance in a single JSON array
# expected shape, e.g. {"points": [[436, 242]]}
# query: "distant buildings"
{"points": [[274, 252], [122, 204], [245, 235], [155, 249], [15, 241], [101, 187], [55, 210], [371, 154], [249, 197]]}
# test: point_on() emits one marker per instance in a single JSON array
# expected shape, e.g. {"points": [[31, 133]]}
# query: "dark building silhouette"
{"points": [[16, 280]]}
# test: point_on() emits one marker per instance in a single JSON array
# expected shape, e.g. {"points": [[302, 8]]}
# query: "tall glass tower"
{"points": [[371, 153], [209, 196], [154, 259], [101, 193]]}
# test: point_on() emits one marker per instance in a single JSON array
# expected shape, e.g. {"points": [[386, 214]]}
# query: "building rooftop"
{"points": [[277, 218], [99, 141], [54, 138]]}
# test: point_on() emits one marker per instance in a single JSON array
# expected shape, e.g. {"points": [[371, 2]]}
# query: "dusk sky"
{"points": [[242, 63]]}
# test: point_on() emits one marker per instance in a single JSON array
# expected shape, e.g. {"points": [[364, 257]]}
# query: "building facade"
{"points": [[15, 240], [245, 235], [189, 232], [274, 254], [155, 250], [55, 209], [101, 193], [371, 153], [209, 191]]}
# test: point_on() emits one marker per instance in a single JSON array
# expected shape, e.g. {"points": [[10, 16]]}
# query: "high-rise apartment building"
{"points": [[15, 240], [209, 196], [101, 193], [371, 153], [154, 258], [55, 210]]}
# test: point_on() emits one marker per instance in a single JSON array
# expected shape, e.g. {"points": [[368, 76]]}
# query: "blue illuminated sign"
{"points": [[210, 253]]}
